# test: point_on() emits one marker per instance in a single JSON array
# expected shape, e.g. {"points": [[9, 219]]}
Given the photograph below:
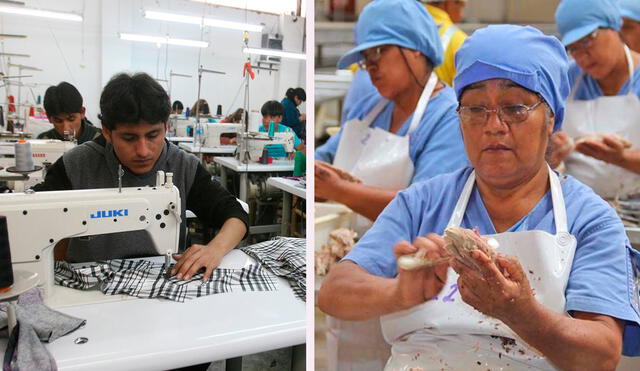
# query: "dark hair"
{"points": [[177, 105], [128, 99], [62, 98], [236, 116], [204, 107], [272, 108], [296, 92]]}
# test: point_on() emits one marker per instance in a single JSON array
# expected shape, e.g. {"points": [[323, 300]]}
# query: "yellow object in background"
{"points": [[447, 70]]}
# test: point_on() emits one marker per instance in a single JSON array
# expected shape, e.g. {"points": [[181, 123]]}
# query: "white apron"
{"points": [[447, 333], [379, 158], [607, 114]]}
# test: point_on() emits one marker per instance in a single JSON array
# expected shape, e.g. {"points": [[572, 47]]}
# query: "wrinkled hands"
{"points": [[610, 149], [195, 258], [500, 290], [416, 286], [326, 182]]}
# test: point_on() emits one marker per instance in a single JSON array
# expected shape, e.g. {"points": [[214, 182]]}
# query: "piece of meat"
{"points": [[460, 242], [340, 242], [598, 137]]}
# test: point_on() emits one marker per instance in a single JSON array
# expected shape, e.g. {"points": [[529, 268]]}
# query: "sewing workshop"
{"points": [[477, 185], [152, 185]]}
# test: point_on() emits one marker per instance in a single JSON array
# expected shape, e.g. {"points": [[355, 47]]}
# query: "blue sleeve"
{"points": [[327, 151], [602, 278], [442, 151], [374, 251], [296, 140]]}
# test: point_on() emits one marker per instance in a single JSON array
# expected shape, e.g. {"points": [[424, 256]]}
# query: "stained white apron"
{"points": [[607, 114], [447, 333], [379, 158]]}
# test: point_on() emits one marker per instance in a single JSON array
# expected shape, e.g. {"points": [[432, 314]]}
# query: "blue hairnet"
{"points": [[521, 54], [405, 23], [630, 9], [578, 18]]}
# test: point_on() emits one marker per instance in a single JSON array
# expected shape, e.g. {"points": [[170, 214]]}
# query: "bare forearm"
{"points": [[631, 161], [229, 235], [578, 344], [365, 200], [351, 293]]}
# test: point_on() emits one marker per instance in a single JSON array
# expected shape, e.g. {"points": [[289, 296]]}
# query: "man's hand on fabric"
{"points": [[195, 258]]}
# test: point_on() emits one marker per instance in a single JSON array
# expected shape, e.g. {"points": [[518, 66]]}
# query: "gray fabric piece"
{"points": [[92, 165], [31, 353], [47, 323]]}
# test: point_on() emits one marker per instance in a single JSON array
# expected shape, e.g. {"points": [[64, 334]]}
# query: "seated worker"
{"points": [[63, 104], [272, 111], [292, 116], [134, 113], [604, 103], [203, 106], [177, 107], [561, 291], [410, 130]]}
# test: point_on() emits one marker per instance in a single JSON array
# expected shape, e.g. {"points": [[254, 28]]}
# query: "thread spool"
{"points": [[219, 110], [6, 271], [24, 159]]}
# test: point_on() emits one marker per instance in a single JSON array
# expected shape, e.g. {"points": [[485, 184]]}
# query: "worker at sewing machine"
{"points": [[600, 138], [176, 108], [292, 116], [63, 104], [201, 105], [556, 289], [134, 113], [272, 111]]}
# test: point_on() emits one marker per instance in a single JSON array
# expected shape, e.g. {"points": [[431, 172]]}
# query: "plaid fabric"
{"points": [[145, 279], [285, 257]]}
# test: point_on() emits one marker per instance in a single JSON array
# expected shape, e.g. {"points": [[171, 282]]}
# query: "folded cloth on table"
{"points": [[145, 279], [285, 257], [37, 323]]}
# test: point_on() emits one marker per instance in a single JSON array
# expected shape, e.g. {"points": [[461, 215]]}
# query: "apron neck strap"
{"points": [[368, 119], [557, 199], [422, 102]]}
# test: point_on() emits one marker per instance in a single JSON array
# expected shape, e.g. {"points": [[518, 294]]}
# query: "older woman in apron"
{"points": [[407, 133], [603, 100], [563, 291]]}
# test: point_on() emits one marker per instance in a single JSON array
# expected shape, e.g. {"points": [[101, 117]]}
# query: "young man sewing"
{"points": [[273, 111], [63, 104], [134, 114]]}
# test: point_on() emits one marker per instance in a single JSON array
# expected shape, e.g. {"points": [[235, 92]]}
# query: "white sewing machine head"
{"points": [[214, 130], [37, 221], [256, 142], [179, 125]]}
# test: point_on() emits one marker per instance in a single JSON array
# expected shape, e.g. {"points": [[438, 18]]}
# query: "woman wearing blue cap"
{"points": [[603, 107], [630, 31], [409, 134], [560, 292]]}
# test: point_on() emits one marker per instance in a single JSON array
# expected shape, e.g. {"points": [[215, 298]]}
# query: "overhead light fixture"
{"points": [[163, 40], [274, 53], [11, 36], [14, 55], [275, 7], [172, 17], [41, 13]]}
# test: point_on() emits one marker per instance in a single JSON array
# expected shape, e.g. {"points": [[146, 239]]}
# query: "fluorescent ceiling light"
{"points": [[271, 6], [172, 17], [163, 40], [274, 53], [41, 13]]}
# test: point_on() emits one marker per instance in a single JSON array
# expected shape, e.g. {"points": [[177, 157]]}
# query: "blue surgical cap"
{"points": [[521, 54], [630, 9], [578, 18], [405, 23]]}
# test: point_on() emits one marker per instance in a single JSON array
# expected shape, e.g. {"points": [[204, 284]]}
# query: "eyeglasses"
{"points": [[582, 44], [511, 114], [372, 58]]}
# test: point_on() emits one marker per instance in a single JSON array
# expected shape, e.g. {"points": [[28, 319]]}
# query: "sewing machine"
{"points": [[253, 143], [37, 221], [213, 132], [43, 151], [178, 125]]}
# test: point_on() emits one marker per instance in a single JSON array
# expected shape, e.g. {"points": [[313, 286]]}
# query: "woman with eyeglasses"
{"points": [[406, 134], [560, 291], [603, 110]]}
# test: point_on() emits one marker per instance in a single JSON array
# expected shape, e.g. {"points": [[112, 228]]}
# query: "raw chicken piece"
{"points": [[460, 242], [340, 242]]}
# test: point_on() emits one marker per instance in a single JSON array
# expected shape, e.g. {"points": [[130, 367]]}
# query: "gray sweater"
{"points": [[94, 165]]}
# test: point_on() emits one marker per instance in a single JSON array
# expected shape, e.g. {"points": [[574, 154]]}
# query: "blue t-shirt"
{"points": [[435, 147], [291, 116], [589, 88], [277, 150], [602, 275]]}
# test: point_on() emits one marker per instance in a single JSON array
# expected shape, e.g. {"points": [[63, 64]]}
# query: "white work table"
{"points": [[289, 187], [217, 150], [155, 334], [232, 164], [180, 139]]}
